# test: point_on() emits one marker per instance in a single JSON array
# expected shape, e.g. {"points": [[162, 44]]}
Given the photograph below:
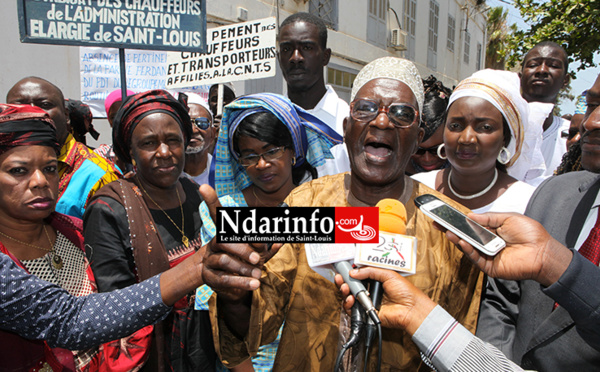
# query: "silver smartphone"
{"points": [[464, 227]]}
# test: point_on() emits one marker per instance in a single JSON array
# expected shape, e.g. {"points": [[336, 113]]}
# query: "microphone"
{"points": [[392, 219], [395, 250], [357, 288]]}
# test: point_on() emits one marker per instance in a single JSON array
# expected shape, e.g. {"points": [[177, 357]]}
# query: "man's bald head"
{"points": [[39, 92]]}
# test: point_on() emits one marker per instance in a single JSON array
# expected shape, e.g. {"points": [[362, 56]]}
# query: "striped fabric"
{"points": [[312, 138], [480, 356], [448, 346]]}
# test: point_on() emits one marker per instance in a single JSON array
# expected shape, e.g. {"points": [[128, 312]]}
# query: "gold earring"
{"points": [[133, 162], [293, 161]]}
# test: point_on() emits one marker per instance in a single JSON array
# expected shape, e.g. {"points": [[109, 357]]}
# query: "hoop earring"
{"points": [[439, 152], [293, 161], [503, 156]]}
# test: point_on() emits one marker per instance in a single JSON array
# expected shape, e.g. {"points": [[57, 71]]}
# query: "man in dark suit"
{"points": [[518, 317]]}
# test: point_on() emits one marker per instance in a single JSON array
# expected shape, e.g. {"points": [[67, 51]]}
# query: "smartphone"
{"points": [[465, 228]]}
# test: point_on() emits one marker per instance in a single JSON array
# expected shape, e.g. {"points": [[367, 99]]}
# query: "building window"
{"points": [[341, 81], [434, 16], [377, 23], [327, 10], [467, 47], [478, 60], [410, 26], [451, 31]]}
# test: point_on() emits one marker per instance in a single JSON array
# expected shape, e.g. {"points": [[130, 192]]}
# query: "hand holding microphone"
{"points": [[392, 226], [406, 306]]}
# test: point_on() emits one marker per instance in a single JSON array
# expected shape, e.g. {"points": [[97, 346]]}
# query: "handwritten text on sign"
{"points": [[139, 24], [239, 51], [100, 74]]}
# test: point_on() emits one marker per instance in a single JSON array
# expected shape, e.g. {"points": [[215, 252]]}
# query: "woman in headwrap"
{"points": [[492, 141], [44, 243], [266, 147], [434, 107], [141, 226]]}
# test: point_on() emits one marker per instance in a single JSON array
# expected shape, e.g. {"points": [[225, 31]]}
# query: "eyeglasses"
{"points": [[268, 156], [432, 150], [402, 115], [202, 123]]}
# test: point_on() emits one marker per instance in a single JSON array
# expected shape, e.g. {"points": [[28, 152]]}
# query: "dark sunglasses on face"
{"points": [[268, 156], [202, 123], [402, 115], [432, 150]]}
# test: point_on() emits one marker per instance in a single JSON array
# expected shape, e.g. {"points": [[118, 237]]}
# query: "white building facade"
{"points": [[445, 38]]}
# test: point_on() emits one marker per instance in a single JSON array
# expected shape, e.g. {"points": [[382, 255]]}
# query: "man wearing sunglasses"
{"points": [[197, 157]]}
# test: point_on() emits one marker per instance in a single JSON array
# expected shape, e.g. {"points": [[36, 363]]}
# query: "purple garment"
{"points": [[36, 309]]}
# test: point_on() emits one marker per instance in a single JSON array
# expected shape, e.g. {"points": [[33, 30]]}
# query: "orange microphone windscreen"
{"points": [[392, 216]]}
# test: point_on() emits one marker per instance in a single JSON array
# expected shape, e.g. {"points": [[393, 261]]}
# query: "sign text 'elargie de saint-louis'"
{"points": [[177, 25]]}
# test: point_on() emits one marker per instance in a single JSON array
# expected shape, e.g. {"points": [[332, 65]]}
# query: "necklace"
{"points": [[184, 239], [473, 196], [57, 261], [257, 199]]}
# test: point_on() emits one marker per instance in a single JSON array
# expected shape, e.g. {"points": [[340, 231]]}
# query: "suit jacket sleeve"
{"points": [[577, 292], [500, 305]]}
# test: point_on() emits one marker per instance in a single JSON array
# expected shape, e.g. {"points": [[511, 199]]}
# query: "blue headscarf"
{"points": [[312, 138]]}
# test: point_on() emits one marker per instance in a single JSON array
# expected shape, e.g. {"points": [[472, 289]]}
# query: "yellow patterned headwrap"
{"points": [[502, 89]]}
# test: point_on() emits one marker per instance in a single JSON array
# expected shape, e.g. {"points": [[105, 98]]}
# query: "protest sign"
{"points": [[140, 24], [99, 74], [239, 51]]}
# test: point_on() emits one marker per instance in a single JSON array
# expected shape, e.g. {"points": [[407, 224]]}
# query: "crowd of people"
{"points": [[109, 260]]}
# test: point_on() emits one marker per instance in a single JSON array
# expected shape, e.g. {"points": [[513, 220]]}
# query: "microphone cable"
{"points": [[357, 327], [374, 325]]}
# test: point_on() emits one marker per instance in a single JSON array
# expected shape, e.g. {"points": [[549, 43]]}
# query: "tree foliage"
{"points": [[570, 23], [497, 34]]}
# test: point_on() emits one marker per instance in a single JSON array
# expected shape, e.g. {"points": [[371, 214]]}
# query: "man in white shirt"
{"points": [[543, 74], [303, 55]]}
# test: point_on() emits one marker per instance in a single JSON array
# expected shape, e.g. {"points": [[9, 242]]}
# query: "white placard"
{"points": [[100, 74], [240, 51], [394, 252]]}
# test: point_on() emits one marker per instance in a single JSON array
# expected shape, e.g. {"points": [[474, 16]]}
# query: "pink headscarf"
{"points": [[115, 96]]}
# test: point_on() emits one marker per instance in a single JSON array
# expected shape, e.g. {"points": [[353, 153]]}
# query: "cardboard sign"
{"points": [[241, 51], [99, 74]]}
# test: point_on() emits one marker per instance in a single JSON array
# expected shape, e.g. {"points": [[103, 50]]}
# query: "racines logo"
{"points": [[297, 225]]}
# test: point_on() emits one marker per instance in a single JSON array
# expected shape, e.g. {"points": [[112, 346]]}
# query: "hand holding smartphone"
{"points": [[464, 227]]}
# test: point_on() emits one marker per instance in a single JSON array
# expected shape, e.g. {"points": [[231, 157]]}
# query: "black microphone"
{"points": [[392, 219]]}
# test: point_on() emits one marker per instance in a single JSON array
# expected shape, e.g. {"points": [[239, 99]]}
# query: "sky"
{"points": [[585, 78]]}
